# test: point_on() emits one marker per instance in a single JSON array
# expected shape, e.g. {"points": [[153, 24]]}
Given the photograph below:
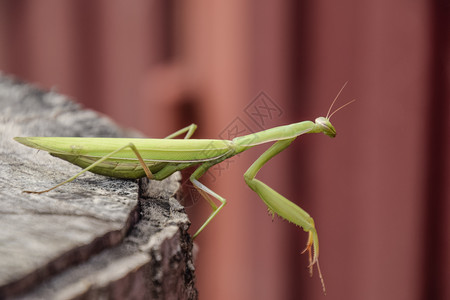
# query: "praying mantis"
{"points": [[159, 158]]}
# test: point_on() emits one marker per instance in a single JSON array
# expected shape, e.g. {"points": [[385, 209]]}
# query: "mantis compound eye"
{"points": [[326, 127]]}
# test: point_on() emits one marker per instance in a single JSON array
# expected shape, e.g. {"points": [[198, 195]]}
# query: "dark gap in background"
{"points": [[434, 255], [299, 67]]}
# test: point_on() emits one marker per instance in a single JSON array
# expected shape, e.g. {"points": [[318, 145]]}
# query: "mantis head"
{"points": [[323, 123], [325, 126]]}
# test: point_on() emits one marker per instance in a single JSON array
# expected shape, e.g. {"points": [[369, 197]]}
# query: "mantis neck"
{"points": [[275, 134]]}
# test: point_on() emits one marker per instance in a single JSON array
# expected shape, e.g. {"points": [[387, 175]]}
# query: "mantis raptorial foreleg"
{"points": [[282, 206]]}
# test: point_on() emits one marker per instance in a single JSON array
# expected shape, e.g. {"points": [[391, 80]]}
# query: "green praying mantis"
{"points": [[159, 158]]}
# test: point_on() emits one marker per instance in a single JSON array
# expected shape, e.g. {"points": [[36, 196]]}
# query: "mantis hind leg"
{"points": [[147, 171], [189, 130], [281, 206]]}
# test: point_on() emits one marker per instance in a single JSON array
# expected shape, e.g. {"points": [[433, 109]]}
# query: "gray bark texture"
{"points": [[95, 237]]}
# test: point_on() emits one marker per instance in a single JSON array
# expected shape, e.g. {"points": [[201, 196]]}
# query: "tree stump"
{"points": [[93, 238]]}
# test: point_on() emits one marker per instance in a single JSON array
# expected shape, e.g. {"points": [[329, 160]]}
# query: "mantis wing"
{"points": [[156, 153]]}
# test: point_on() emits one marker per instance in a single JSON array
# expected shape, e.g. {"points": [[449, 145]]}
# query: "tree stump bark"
{"points": [[94, 238]]}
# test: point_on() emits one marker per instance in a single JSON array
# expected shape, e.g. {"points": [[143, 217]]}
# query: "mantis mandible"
{"points": [[159, 158]]}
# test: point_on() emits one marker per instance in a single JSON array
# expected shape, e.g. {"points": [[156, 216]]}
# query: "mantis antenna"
{"points": [[341, 108], [331, 106]]}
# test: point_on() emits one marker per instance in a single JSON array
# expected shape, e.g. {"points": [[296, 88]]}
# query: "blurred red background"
{"points": [[379, 192]]}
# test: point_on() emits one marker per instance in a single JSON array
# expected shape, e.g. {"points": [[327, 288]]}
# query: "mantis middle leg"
{"points": [[189, 129], [206, 193]]}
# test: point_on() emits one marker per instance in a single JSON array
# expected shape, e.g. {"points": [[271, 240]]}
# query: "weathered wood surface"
{"points": [[95, 237]]}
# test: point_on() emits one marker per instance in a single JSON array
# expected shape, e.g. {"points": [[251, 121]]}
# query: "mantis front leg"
{"points": [[282, 206]]}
